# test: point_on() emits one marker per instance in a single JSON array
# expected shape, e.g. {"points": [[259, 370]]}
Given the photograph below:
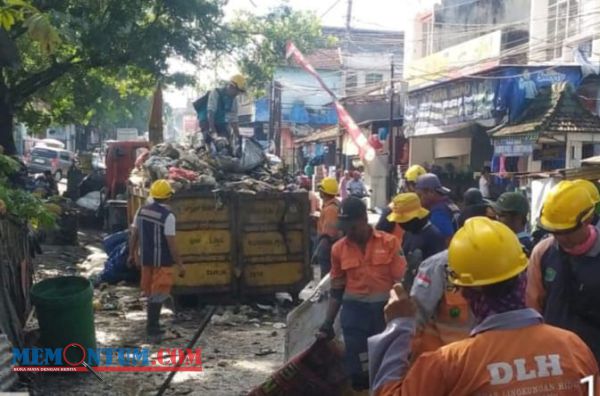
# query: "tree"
{"points": [[122, 46], [262, 41]]}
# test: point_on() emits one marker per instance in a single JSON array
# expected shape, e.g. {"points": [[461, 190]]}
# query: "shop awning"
{"points": [[324, 135], [557, 111]]}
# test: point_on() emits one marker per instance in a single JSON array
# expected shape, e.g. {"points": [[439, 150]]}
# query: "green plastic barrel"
{"points": [[65, 313]]}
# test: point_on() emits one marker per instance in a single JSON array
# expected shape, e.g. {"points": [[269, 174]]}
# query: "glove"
{"points": [[326, 331]]}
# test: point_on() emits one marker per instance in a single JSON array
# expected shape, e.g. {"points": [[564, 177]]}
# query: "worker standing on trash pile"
{"points": [[564, 274], [421, 240], [410, 177], [512, 209], [218, 111], [510, 351], [153, 231], [327, 231], [434, 197], [364, 266]]}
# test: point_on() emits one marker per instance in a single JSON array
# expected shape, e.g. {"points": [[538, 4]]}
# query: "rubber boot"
{"points": [[153, 330]]}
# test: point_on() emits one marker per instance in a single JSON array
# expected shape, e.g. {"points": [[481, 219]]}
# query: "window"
{"points": [[563, 22], [65, 156], [351, 81], [373, 78], [45, 153], [427, 36]]}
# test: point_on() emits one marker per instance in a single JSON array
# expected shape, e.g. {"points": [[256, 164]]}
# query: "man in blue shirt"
{"points": [[434, 197]]}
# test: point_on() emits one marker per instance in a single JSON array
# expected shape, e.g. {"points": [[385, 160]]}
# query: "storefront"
{"points": [[555, 131]]}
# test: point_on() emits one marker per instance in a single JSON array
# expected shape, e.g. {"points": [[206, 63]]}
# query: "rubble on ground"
{"points": [[188, 168]]}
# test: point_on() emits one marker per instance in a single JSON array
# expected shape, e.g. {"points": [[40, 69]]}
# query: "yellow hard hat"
{"points": [[567, 205], [406, 207], [329, 186], [413, 173], [484, 252], [161, 189], [239, 81], [590, 188]]}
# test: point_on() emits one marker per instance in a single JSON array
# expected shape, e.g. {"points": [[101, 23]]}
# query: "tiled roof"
{"points": [[558, 111], [325, 59]]}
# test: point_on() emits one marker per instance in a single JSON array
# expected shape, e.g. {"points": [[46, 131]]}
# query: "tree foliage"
{"points": [[262, 41], [108, 55]]}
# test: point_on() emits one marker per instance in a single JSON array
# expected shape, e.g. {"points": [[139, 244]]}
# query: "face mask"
{"points": [[585, 246], [414, 226]]}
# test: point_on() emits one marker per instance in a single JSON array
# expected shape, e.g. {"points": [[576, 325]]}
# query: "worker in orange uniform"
{"points": [[564, 275], [327, 231], [510, 351], [153, 230], [365, 265]]}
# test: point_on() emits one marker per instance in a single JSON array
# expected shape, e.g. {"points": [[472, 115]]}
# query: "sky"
{"points": [[366, 14]]}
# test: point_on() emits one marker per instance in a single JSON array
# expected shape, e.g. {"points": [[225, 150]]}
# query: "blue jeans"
{"points": [[360, 320]]}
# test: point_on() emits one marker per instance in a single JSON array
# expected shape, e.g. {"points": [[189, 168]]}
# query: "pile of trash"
{"points": [[116, 268], [215, 169]]}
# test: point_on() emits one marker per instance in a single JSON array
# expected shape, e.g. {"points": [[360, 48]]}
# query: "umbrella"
{"points": [[155, 126]]}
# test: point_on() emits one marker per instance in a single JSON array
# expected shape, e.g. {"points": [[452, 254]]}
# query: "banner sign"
{"points": [[489, 100], [366, 151], [432, 110], [478, 54]]}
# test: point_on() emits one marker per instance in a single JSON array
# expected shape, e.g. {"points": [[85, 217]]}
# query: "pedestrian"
{"points": [[356, 187], [365, 265], [421, 239], [50, 183], [564, 275], [327, 231], [153, 232], [343, 188], [434, 197], [410, 177], [512, 209], [475, 205], [218, 111], [313, 199], [485, 181], [510, 351]]}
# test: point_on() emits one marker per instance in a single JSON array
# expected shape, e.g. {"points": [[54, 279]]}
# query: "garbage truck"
{"points": [[236, 245]]}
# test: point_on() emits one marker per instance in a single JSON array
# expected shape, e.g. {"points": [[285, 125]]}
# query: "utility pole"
{"points": [[392, 137], [348, 17]]}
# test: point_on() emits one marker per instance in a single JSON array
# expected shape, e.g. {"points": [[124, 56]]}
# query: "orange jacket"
{"points": [[536, 295], [328, 219], [371, 273], [509, 354]]}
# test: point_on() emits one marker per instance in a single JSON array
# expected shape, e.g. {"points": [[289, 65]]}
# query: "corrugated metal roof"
{"points": [[7, 377]]}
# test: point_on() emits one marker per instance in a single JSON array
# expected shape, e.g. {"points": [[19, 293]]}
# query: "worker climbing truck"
{"points": [[238, 245]]}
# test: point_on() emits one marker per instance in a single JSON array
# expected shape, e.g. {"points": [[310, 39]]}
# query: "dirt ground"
{"points": [[241, 346]]}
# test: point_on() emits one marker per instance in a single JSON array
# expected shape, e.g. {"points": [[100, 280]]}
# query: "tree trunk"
{"points": [[7, 139]]}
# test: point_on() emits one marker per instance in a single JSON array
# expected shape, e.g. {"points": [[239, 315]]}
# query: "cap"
{"points": [[351, 209], [429, 181], [473, 197], [512, 202]]}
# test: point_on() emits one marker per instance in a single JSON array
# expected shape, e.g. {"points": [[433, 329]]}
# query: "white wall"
{"points": [[421, 151]]}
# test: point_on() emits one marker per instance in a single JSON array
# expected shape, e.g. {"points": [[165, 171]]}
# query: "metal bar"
{"points": [[190, 345]]}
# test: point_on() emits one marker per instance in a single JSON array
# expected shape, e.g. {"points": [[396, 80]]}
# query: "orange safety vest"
{"points": [[452, 322]]}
